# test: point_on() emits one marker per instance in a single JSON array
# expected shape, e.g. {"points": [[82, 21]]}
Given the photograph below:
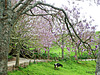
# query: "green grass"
{"points": [[58, 51], [69, 68], [31, 48]]}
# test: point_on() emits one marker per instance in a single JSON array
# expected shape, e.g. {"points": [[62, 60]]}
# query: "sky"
{"points": [[93, 10]]}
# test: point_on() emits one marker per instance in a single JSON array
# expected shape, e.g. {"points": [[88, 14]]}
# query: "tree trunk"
{"points": [[4, 47], [98, 60], [98, 65], [62, 52], [62, 47], [5, 23], [76, 58], [17, 60], [17, 55], [48, 53]]}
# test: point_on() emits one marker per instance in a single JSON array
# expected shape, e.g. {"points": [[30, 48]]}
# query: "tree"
{"points": [[20, 34], [97, 72], [45, 34], [82, 28], [9, 16], [60, 34], [5, 24]]}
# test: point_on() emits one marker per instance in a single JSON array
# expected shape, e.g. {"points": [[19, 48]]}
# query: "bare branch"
{"points": [[23, 7], [20, 2], [66, 20], [43, 8], [31, 7], [39, 14], [88, 39]]}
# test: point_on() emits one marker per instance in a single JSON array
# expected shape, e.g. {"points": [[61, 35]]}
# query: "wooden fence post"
{"points": [[30, 62], [13, 68]]}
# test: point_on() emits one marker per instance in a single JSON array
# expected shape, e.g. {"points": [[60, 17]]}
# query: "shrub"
{"points": [[53, 55], [44, 55], [86, 56], [10, 57]]}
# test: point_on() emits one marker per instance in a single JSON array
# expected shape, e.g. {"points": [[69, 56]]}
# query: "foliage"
{"points": [[53, 28], [86, 56], [44, 55], [10, 57], [67, 54], [54, 55], [10, 15]]}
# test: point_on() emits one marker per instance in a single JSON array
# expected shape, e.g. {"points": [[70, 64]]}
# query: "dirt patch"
{"points": [[12, 59]]}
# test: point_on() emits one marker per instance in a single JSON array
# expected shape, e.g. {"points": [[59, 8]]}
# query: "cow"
{"points": [[57, 65]]}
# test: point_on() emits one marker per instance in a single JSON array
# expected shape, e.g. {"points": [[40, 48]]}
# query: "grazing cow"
{"points": [[57, 65]]}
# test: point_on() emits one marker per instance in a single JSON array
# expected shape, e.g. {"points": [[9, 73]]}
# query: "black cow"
{"points": [[57, 65]]}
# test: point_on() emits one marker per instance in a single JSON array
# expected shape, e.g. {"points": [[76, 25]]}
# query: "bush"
{"points": [[37, 55], [10, 57], [86, 56], [53, 55], [44, 56]]}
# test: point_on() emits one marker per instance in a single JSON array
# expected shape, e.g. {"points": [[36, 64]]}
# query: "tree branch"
{"points": [[66, 20], [20, 2], [23, 7], [39, 14]]}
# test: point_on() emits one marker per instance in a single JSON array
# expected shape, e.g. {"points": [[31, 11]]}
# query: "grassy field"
{"points": [[69, 68], [58, 50]]}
